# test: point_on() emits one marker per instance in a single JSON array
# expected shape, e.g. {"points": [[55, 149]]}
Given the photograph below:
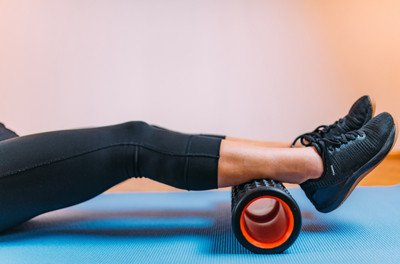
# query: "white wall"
{"points": [[267, 70]]}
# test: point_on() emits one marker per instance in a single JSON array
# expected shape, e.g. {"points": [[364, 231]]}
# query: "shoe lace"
{"points": [[319, 132], [330, 143]]}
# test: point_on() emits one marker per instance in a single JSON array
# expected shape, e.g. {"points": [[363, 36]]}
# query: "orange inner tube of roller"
{"points": [[267, 222]]}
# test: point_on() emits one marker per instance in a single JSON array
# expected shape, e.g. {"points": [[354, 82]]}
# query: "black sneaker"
{"points": [[347, 159], [360, 113]]}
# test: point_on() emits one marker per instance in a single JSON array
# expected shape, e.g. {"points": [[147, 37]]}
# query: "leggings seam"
{"points": [[189, 143], [138, 145], [136, 162]]}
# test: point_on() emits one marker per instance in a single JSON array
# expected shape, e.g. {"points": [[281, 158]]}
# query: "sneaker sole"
{"points": [[372, 164]]}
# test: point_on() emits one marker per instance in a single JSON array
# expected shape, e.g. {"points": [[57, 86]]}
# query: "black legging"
{"points": [[48, 171]]}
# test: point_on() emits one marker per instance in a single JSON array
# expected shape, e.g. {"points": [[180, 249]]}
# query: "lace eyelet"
{"points": [[330, 148]]}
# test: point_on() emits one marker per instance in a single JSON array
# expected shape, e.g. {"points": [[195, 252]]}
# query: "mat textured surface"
{"points": [[195, 227]]}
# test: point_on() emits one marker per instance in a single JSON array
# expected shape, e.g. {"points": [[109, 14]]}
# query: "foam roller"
{"points": [[265, 217]]}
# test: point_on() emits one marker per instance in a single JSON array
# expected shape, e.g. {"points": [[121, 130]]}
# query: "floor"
{"points": [[387, 173]]}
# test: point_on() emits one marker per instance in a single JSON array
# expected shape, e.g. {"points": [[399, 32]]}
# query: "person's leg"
{"points": [[49, 171], [242, 161]]}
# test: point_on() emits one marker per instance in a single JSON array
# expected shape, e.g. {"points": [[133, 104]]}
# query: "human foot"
{"points": [[347, 159]]}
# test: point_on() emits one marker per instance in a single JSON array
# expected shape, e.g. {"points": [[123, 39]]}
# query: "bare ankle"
{"points": [[316, 167]]}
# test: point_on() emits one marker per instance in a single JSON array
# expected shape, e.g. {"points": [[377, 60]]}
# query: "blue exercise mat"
{"points": [[195, 227]]}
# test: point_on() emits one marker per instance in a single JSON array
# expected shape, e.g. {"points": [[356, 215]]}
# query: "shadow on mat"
{"points": [[315, 223]]}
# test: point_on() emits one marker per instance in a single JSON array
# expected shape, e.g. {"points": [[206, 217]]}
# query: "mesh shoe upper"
{"points": [[348, 157]]}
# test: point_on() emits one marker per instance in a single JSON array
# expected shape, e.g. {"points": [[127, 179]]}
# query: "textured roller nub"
{"points": [[239, 190], [265, 217]]}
